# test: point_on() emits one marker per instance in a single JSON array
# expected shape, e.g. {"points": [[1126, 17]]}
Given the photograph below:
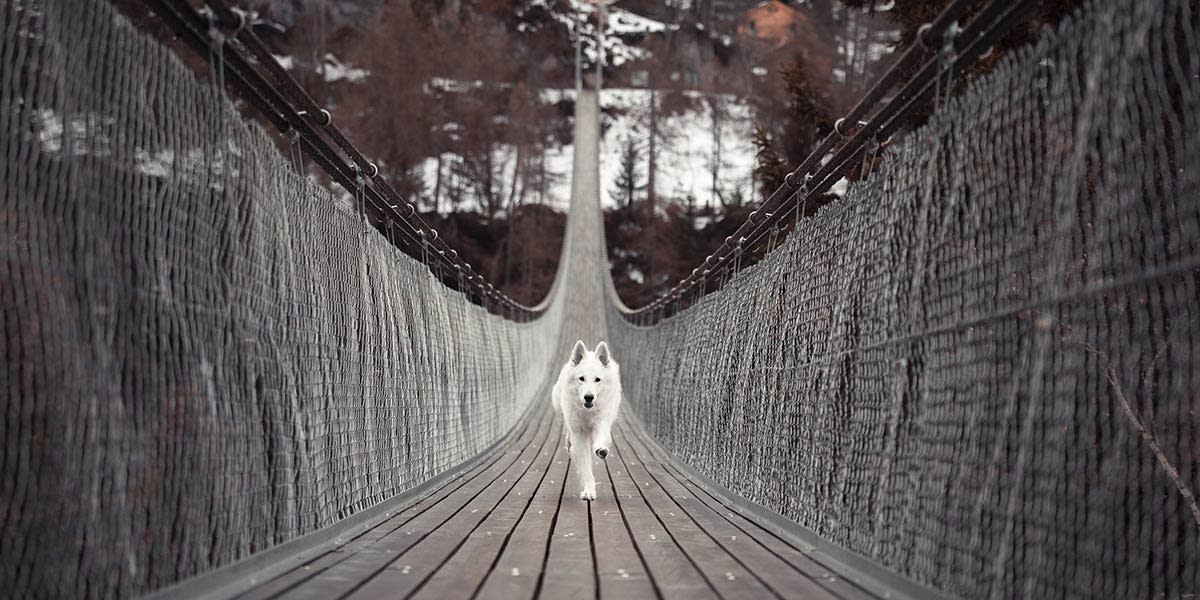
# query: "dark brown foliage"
{"points": [[518, 255], [785, 143], [652, 248]]}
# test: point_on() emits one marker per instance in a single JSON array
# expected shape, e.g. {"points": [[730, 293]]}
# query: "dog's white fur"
{"points": [[590, 377]]}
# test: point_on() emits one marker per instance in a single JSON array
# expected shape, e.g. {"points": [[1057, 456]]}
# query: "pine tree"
{"points": [[628, 182], [770, 169], [807, 121]]}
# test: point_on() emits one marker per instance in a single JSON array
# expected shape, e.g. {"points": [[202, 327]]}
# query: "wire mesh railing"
{"points": [[978, 366], [975, 368], [204, 355], [240, 59], [943, 51]]}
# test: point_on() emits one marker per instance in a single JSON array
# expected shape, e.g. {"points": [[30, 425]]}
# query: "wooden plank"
{"points": [[421, 561], [464, 573], [782, 549], [570, 570], [670, 569], [347, 575], [652, 532], [619, 566], [516, 573], [771, 570], [729, 578], [297, 576], [286, 581]]}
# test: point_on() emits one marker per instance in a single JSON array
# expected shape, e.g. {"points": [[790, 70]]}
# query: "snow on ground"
{"points": [[332, 68], [620, 23], [623, 22], [336, 70]]}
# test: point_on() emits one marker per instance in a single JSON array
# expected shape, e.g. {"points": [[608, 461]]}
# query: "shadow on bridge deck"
{"points": [[512, 527]]}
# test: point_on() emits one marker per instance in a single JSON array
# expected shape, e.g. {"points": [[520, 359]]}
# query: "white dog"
{"points": [[587, 395]]}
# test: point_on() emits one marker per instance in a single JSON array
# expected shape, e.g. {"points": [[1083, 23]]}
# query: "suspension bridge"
{"points": [[973, 374]]}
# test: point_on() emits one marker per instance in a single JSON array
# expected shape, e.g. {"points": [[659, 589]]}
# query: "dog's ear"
{"points": [[602, 353], [578, 352]]}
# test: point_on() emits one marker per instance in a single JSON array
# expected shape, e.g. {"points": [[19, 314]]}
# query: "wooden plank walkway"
{"points": [[513, 527]]}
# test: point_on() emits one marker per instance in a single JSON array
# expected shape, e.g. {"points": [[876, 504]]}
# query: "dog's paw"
{"points": [[588, 493], [602, 453]]}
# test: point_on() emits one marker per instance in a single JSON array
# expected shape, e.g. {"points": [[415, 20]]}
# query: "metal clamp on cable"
{"points": [[923, 36], [326, 118], [223, 14], [837, 126], [239, 24]]}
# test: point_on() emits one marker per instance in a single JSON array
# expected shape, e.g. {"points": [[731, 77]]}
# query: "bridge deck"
{"points": [[513, 527]]}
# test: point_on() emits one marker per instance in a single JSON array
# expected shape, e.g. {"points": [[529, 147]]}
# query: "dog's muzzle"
{"points": [[587, 400]]}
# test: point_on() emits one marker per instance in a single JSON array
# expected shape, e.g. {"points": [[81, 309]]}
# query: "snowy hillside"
{"points": [[687, 150]]}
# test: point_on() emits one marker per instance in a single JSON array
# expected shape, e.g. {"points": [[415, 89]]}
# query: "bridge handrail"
{"points": [[804, 187], [289, 108]]}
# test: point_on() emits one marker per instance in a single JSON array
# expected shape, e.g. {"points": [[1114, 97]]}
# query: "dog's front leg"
{"points": [[582, 458], [603, 440]]}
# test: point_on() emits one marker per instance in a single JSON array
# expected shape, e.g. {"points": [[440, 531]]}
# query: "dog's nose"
{"points": [[588, 397]]}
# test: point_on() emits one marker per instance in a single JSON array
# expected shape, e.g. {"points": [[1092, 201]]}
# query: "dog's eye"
{"points": [[581, 378], [597, 380]]}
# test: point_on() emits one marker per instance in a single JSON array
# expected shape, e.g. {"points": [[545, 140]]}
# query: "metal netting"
{"points": [[979, 367], [204, 353]]}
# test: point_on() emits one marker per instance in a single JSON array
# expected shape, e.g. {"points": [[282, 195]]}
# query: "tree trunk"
{"points": [[437, 186], [516, 175], [508, 241], [716, 109], [652, 153], [489, 186]]}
